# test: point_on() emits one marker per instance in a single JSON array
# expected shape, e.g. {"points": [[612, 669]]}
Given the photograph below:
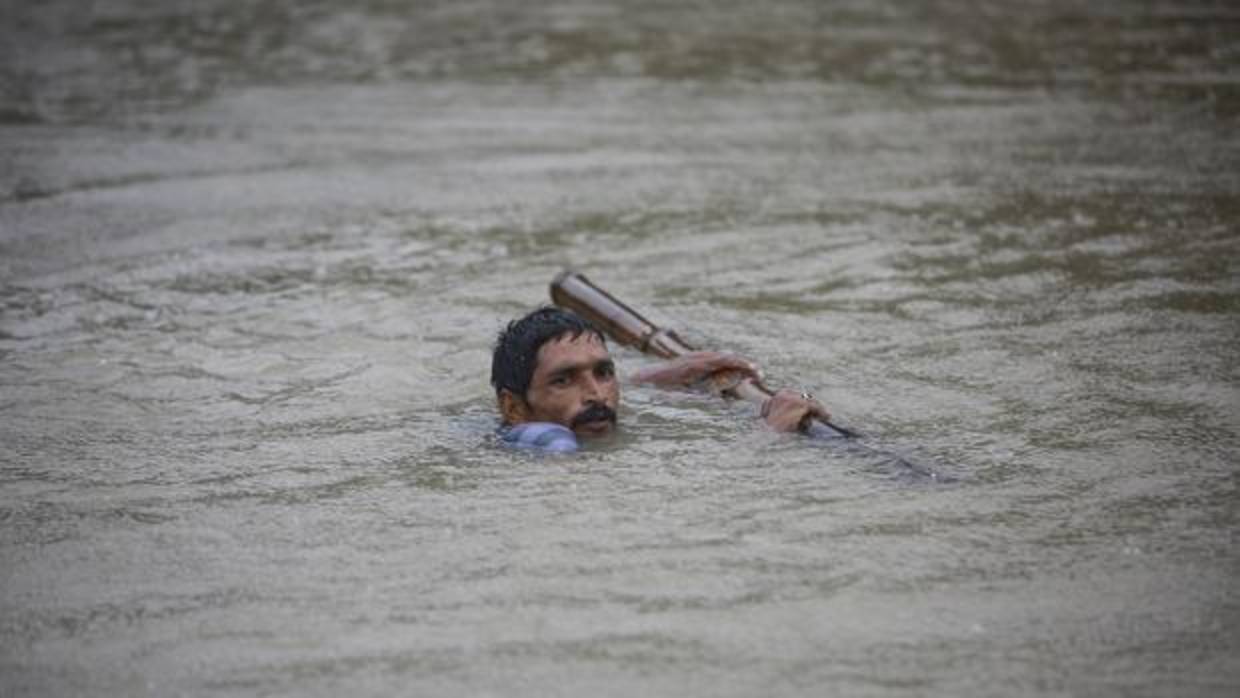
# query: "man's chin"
{"points": [[603, 427]]}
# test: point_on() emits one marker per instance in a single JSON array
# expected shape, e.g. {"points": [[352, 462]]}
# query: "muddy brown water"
{"points": [[253, 256]]}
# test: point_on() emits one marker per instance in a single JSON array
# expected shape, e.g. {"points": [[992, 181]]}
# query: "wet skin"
{"points": [[573, 378]]}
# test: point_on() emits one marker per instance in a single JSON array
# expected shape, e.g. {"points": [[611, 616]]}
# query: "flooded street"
{"points": [[254, 256]]}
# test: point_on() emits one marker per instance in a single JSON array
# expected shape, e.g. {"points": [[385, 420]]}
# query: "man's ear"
{"points": [[512, 408]]}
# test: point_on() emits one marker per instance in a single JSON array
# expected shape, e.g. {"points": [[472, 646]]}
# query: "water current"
{"points": [[254, 254]]}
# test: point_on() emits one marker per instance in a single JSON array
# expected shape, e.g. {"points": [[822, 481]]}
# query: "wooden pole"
{"points": [[573, 291]]}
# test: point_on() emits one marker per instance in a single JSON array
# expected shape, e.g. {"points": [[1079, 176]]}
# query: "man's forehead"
{"points": [[586, 345]]}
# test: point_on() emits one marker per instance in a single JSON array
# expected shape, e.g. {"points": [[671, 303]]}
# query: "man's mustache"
{"points": [[595, 413]]}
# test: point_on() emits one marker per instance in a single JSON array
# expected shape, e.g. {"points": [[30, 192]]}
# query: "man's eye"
{"points": [[606, 370], [559, 381]]}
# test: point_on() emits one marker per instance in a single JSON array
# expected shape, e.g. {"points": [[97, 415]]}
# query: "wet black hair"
{"points": [[516, 349]]}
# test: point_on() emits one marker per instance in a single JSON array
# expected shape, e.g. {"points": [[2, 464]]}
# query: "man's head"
{"points": [[552, 366]]}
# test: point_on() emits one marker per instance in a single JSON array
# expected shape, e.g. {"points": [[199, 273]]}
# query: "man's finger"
{"points": [[819, 409]]}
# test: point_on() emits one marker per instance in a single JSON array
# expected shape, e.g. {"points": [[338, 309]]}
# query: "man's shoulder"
{"points": [[543, 436]]}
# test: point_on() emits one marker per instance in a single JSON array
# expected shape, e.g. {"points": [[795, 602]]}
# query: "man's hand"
{"points": [[788, 410], [695, 367]]}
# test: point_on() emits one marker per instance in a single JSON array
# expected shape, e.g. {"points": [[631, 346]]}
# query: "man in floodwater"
{"points": [[555, 382]]}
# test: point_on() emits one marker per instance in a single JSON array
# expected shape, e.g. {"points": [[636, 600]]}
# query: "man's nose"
{"points": [[593, 390]]}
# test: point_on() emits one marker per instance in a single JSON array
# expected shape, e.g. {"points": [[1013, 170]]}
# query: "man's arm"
{"points": [[786, 410], [693, 368]]}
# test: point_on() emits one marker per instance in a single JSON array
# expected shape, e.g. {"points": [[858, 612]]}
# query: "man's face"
{"points": [[574, 384]]}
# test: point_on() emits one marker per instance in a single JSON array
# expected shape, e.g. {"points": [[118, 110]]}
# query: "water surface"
{"points": [[253, 256]]}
